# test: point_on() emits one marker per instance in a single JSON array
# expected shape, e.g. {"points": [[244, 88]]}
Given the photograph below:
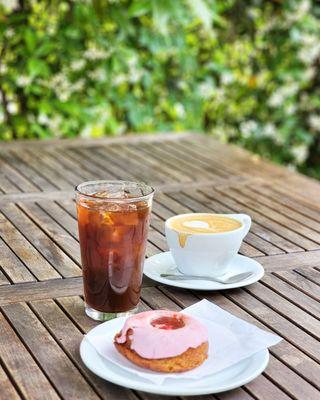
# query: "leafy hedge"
{"points": [[244, 71]]}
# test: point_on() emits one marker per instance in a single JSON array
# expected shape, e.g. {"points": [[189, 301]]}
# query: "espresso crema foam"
{"points": [[202, 223]]}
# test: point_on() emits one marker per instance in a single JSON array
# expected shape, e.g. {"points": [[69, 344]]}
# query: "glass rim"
{"points": [[113, 199]]}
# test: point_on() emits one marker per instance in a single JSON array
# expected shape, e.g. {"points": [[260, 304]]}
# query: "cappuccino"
{"points": [[202, 223], [204, 244]]}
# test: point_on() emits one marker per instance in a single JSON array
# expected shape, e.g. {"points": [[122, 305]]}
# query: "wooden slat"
{"points": [[68, 177], [12, 265], [38, 265], [25, 372], [63, 374], [41, 290], [87, 142], [301, 283], [43, 319], [285, 232], [16, 178], [159, 300], [290, 261], [277, 322], [272, 214], [21, 164], [119, 156], [284, 351], [69, 337], [49, 250], [54, 231], [311, 273], [286, 308], [289, 292], [47, 289], [7, 389], [300, 216]]}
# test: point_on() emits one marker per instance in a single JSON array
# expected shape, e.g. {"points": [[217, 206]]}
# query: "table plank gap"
{"points": [[61, 371], [15, 357]]}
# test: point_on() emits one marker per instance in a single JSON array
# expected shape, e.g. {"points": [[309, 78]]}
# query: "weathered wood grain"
{"points": [[62, 373], [54, 258], [42, 319], [31, 381], [37, 264]]}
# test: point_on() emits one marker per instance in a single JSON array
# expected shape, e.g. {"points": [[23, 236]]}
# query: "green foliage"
{"points": [[243, 71]]}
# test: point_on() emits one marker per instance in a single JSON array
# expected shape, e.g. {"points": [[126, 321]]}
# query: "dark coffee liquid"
{"points": [[113, 241]]}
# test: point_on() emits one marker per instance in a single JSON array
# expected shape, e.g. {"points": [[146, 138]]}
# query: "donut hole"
{"points": [[168, 323]]}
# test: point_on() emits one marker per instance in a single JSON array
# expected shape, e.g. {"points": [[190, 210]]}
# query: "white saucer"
{"points": [[163, 263], [227, 379]]}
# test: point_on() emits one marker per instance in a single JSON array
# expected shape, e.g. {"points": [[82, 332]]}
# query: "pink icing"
{"points": [[151, 342]]}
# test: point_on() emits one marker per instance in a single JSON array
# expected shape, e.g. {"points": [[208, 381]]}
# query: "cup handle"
{"points": [[246, 220]]}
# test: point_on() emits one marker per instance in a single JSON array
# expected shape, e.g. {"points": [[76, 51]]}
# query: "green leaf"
{"points": [[30, 39], [200, 9], [139, 7], [37, 67]]}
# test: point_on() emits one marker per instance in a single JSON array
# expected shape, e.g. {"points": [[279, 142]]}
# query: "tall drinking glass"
{"points": [[113, 220]]}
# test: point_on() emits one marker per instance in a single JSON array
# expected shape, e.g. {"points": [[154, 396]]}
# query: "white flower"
{"points": [[254, 13], [119, 79], [179, 110], [9, 5], [310, 73], [290, 109], [132, 62], [95, 54], [9, 33], [275, 99], [63, 96], [303, 8], [12, 108], [135, 75], [281, 94], [300, 153], [43, 119], [99, 74], [206, 89], [314, 122], [54, 125], [86, 131], [247, 128], [77, 65], [270, 130], [219, 94], [182, 85], [309, 49], [309, 55], [226, 78], [3, 69], [78, 85], [51, 29], [23, 80]]}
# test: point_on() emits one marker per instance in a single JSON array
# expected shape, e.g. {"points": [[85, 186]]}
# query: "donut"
{"points": [[163, 341]]}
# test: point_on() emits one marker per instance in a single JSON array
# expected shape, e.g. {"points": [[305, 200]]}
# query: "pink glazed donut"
{"points": [[162, 340]]}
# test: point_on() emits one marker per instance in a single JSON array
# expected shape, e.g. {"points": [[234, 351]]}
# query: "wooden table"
{"points": [[42, 320]]}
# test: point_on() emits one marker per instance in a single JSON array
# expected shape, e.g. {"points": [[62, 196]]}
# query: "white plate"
{"points": [[227, 379], [163, 263]]}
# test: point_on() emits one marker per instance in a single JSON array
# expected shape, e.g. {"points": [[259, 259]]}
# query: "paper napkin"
{"points": [[230, 340]]}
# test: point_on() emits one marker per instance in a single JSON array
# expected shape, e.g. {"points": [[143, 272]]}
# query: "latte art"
{"points": [[204, 223]]}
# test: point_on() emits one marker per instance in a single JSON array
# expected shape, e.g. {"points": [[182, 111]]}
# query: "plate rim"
{"points": [[259, 274], [150, 387]]}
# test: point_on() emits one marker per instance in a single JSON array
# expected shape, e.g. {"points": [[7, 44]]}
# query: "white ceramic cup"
{"points": [[206, 254]]}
